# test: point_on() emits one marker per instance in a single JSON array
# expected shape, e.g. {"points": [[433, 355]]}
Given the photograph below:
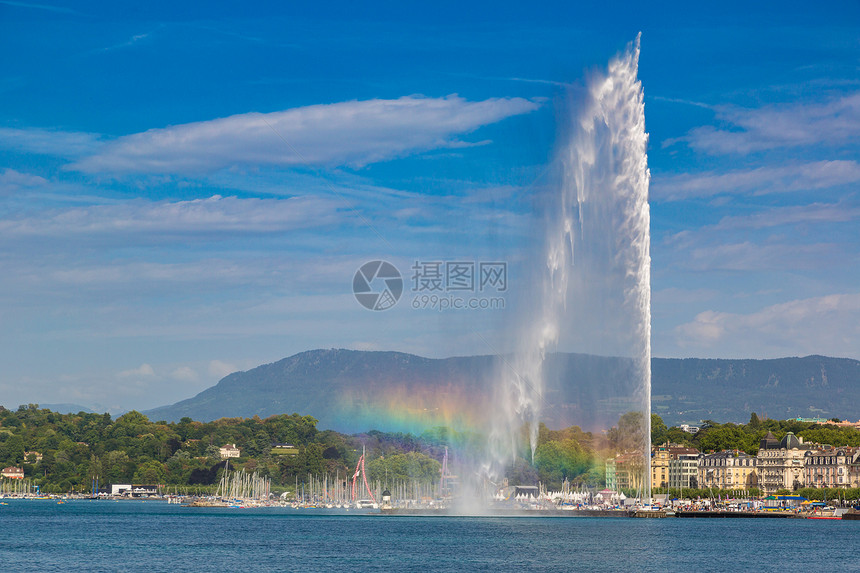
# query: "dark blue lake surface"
{"points": [[41, 535]]}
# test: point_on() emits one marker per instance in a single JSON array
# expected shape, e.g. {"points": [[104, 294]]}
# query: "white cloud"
{"points": [[12, 181], [152, 219], [185, 374], [748, 256], [146, 274], [760, 181], [220, 369], [827, 325], [779, 216], [797, 237], [780, 125], [349, 133], [143, 371], [68, 144]]}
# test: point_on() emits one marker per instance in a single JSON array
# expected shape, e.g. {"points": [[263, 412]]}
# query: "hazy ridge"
{"points": [[351, 391]]}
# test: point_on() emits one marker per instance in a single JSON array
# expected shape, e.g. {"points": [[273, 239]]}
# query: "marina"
{"points": [[153, 535], [447, 509]]}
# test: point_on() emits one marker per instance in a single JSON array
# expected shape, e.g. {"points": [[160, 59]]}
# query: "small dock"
{"points": [[649, 513]]}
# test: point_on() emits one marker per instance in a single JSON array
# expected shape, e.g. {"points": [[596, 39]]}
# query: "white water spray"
{"points": [[594, 288]]}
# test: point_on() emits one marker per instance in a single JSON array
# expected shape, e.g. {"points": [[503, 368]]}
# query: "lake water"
{"points": [[42, 535]]}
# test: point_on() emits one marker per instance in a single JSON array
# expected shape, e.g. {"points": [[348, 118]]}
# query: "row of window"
{"points": [[739, 462], [827, 471], [820, 478], [824, 461]]}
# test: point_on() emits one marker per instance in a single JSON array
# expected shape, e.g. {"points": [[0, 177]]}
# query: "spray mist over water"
{"points": [[592, 291]]}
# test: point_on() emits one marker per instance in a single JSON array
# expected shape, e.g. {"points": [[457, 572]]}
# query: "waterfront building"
{"points": [[846, 424], [611, 479], [672, 465], [660, 457], [684, 468], [729, 469], [129, 490], [854, 469], [689, 429], [13, 472], [781, 463], [629, 470], [279, 449], [828, 467], [120, 489], [229, 451]]}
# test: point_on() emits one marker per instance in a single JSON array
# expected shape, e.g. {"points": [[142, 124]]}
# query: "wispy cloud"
{"points": [[133, 40], [12, 181], [283, 273], [144, 370], [695, 252], [537, 81], [791, 238], [147, 275], [185, 374], [681, 101], [759, 181], [48, 7], [822, 325], [67, 144], [779, 216], [199, 216], [776, 126], [352, 133]]}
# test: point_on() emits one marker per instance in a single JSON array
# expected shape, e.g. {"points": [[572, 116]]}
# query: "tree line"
{"points": [[713, 436], [75, 448], [65, 452]]}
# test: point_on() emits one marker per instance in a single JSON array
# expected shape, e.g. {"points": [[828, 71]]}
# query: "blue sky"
{"points": [[189, 190]]}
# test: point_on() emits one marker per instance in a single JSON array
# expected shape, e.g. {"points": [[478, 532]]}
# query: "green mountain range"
{"points": [[354, 391]]}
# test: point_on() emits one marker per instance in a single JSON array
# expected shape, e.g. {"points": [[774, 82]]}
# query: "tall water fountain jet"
{"points": [[592, 293]]}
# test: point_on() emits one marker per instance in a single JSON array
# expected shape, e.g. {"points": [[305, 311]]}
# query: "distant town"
{"points": [[780, 466], [48, 453]]}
